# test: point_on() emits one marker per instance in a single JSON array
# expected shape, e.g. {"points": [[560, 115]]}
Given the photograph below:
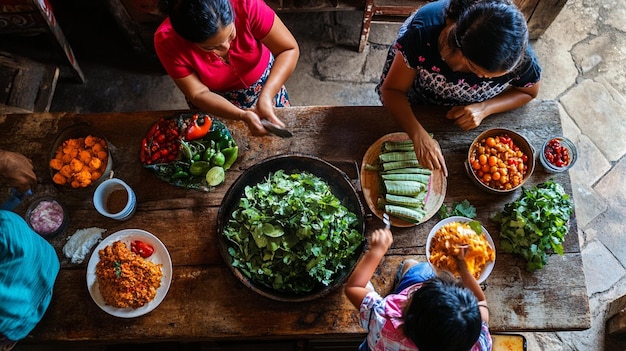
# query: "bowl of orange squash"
{"points": [[80, 158]]}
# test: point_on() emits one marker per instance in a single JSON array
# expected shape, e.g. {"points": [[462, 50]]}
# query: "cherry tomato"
{"points": [[482, 159], [556, 154], [141, 248]]}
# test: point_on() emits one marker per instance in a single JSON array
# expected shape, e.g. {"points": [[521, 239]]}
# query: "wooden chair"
{"points": [[539, 14], [31, 17], [385, 11]]}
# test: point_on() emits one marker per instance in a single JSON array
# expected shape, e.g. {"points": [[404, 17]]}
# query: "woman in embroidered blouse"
{"points": [[472, 55], [230, 58]]}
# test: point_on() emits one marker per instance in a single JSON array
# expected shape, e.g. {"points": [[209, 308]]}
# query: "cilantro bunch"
{"points": [[536, 223], [291, 234], [463, 208]]}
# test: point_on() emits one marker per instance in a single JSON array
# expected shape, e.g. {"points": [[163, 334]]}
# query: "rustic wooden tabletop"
{"points": [[207, 302]]}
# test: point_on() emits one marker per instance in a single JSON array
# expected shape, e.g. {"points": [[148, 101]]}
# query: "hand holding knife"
{"points": [[276, 130]]}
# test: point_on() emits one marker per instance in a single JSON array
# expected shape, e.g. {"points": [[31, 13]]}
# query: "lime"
{"points": [[215, 176], [218, 159], [199, 168]]}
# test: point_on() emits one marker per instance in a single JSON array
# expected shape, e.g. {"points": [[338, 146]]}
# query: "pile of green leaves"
{"points": [[463, 208], [291, 234], [536, 224]]}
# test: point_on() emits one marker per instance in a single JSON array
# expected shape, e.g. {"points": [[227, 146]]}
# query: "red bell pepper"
{"points": [[198, 127]]}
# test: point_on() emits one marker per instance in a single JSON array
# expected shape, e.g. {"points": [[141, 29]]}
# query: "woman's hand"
{"points": [[253, 121], [468, 117], [17, 170], [428, 152], [264, 108]]}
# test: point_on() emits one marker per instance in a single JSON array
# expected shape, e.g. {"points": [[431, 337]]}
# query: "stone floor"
{"points": [[582, 55]]}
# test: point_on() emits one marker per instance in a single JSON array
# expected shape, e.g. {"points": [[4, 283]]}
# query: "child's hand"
{"points": [[381, 239], [460, 258]]}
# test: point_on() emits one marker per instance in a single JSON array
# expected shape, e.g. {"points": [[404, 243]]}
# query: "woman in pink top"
{"points": [[230, 58]]}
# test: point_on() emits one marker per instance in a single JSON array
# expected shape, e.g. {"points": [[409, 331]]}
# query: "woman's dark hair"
{"points": [[197, 20], [442, 315], [491, 33]]}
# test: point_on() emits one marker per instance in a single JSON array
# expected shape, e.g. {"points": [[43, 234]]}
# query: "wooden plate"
{"points": [[370, 183]]}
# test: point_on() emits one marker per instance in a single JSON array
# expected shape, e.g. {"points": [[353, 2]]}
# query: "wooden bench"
{"points": [[27, 85]]}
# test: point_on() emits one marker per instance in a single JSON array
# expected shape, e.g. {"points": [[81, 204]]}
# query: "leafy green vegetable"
{"points": [[291, 234], [536, 223], [463, 208]]}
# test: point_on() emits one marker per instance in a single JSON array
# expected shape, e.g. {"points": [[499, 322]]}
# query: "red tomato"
{"points": [[141, 248]]}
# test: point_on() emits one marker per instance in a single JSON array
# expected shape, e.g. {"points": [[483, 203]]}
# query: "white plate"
{"points": [[160, 256], [488, 267]]}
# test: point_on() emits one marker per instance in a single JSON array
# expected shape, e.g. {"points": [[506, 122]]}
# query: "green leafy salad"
{"points": [[536, 223], [291, 234]]}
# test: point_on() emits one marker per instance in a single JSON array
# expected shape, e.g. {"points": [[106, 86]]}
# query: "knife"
{"points": [[276, 130]]}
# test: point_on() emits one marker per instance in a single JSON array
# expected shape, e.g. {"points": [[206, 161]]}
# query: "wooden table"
{"points": [[206, 301]]}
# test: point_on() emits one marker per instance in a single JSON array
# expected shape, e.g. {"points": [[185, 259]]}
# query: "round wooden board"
{"points": [[371, 188]]}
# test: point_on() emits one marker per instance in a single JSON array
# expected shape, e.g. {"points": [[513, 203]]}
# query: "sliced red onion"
{"points": [[46, 217]]}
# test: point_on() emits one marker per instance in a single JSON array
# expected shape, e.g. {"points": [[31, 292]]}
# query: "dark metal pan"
{"points": [[340, 186]]}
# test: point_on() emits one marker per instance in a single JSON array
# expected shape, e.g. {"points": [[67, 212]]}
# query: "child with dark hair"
{"points": [[471, 55], [230, 58], [427, 310]]}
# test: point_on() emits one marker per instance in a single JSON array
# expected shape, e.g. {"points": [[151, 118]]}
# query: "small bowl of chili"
{"points": [[558, 154]]}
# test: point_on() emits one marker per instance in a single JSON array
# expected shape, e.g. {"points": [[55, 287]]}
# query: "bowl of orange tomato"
{"points": [[80, 159], [500, 160]]}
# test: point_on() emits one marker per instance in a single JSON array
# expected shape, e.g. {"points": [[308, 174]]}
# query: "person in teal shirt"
{"points": [[28, 263]]}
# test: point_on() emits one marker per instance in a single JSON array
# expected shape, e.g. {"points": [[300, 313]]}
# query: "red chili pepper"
{"points": [[141, 248], [198, 127]]}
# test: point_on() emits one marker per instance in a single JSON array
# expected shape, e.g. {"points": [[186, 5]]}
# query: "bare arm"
{"points": [[470, 116], [471, 283], [209, 102], [355, 288], [286, 52], [394, 93], [17, 170]]}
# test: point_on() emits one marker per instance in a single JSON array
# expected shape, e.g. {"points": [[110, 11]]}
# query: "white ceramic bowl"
{"points": [[488, 267]]}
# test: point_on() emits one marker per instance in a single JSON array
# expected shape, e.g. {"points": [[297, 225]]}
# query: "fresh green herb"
{"points": [[291, 234], [463, 208], [118, 269], [536, 224]]}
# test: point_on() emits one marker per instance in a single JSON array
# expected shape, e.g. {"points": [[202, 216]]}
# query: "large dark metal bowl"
{"points": [[340, 186]]}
